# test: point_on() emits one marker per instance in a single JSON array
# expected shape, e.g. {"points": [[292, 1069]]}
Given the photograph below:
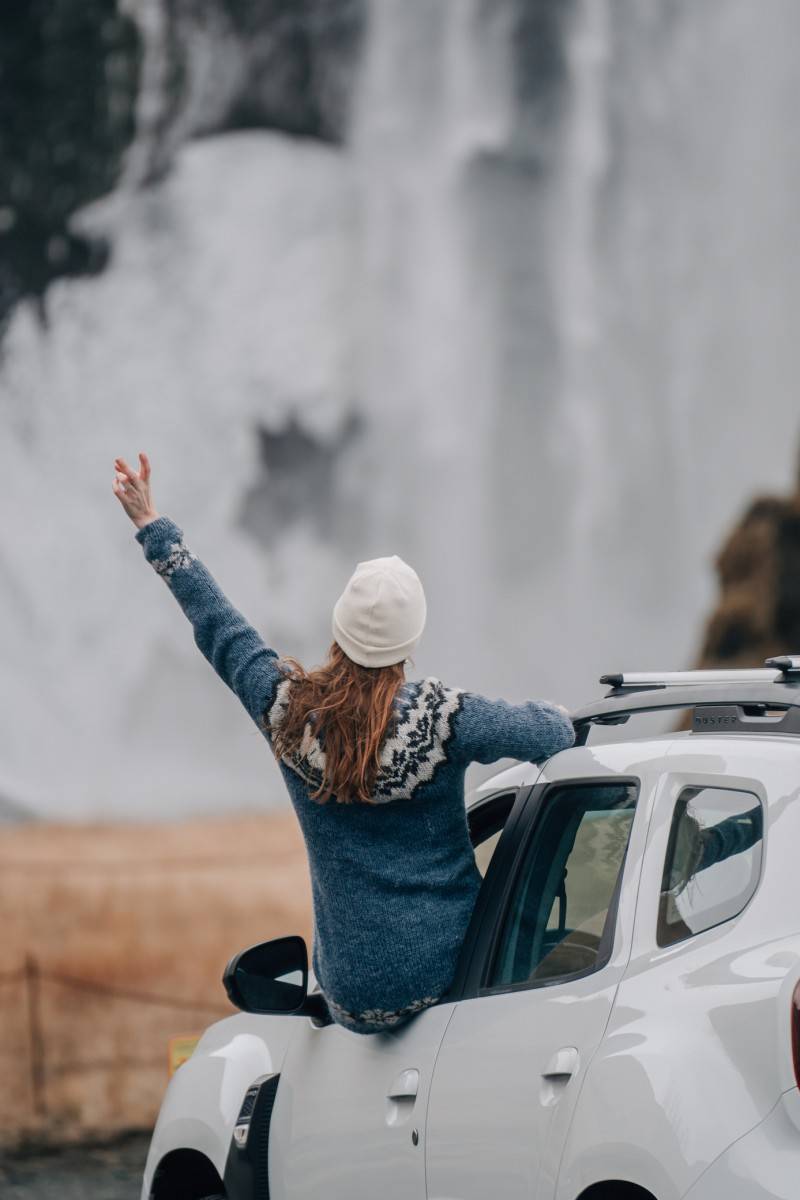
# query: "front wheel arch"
{"points": [[616, 1189], [186, 1175]]}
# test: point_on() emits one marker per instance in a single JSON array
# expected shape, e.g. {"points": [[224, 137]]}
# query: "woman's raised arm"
{"points": [[236, 650]]}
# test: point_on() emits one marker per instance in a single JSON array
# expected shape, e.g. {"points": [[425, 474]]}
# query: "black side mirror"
{"points": [[272, 977]]}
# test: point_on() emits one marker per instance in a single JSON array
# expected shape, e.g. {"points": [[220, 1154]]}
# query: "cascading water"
{"points": [[583, 163], [524, 318]]}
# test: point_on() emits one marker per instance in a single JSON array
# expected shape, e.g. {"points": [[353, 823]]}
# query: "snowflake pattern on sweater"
{"points": [[179, 556], [394, 882], [378, 1018], [410, 753]]}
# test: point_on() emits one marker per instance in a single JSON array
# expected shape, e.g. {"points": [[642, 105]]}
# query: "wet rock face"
{"points": [[297, 62], [238, 64], [757, 615], [71, 83], [68, 80], [298, 483], [758, 611]]}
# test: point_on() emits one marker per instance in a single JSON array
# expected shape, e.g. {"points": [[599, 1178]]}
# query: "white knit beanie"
{"points": [[380, 615]]}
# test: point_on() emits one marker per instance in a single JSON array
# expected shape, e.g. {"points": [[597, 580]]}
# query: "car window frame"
{"points": [[482, 816], [499, 864], [500, 883], [690, 938]]}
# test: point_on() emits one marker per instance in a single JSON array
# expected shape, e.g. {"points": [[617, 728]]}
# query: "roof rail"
{"points": [[773, 669], [787, 663], [659, 679], [725, 701]]}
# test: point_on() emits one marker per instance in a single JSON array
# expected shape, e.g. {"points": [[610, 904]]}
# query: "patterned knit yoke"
{"points": [[393, 882]]}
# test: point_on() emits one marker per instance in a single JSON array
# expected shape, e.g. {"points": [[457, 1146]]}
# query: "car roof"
{"points": [[520, 774], [743, 754], [733, 720]]}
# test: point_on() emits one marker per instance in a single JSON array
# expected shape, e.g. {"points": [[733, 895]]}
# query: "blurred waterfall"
{"points": [[434, 95], [506, 288], [584, 162]]}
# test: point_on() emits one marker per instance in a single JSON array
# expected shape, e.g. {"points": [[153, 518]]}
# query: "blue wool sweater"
{"points": [[393, 883]]}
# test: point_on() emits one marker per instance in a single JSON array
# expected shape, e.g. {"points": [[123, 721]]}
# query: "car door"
{"points": [[349, 1109], [701, 980], [539, 989]]}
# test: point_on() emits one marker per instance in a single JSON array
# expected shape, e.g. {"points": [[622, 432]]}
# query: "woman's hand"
{"points": [[132, 489]]}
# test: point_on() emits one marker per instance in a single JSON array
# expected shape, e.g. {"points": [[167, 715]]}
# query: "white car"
{"points": [[625, 1018]]}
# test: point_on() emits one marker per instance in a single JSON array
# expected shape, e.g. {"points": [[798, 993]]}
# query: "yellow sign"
{"points": [[180, 1048]]}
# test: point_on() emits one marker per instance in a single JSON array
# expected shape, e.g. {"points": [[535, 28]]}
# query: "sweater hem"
{"points": [[372, 1020]]}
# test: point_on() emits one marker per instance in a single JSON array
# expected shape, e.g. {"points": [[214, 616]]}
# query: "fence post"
{"points": [[36, 1035]]}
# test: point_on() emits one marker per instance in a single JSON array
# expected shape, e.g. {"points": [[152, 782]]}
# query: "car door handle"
{"points": [[562, 1065], [404, 1086]]}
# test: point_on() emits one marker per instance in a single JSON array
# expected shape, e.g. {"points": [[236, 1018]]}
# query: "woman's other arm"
{"points": [[490, 729], [228, 641]]}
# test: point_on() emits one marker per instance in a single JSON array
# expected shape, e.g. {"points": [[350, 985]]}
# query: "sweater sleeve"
{"points": [[234, 648], [490, 729]]}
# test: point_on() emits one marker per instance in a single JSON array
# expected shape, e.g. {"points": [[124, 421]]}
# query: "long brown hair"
{"points": [[352, 707]]}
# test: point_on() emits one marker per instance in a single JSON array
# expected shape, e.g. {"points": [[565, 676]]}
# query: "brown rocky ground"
{"points": [[114, 939]]}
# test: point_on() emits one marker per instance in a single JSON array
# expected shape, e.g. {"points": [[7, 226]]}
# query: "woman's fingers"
{"points": [[143, 474], [123, 466], [133, 489]]}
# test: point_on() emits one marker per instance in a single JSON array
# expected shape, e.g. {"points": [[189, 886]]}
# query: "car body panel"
{"points": [[697, 1050], [493, 1121], [764, 1164], [520, 775], [339, 1132], [203, 1098]]}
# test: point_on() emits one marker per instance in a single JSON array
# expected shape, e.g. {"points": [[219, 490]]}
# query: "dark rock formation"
{"points": [[758, 612], [273, 64], [68, 79], [299, 483], [71, 75]]}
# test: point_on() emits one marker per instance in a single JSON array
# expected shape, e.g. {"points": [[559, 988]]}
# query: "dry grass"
{"points": [[142, 908]]}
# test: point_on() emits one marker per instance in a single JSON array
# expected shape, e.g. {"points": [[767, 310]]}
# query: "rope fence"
{"points": [[33, 978], [106, 989], [198, 862]]}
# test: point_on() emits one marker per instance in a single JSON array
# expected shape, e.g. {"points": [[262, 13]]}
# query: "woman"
{"points": [[374, 766]]}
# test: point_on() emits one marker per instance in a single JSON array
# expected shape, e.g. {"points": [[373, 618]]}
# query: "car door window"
{"points": [[559, 917], [484, 851], [487, 819], [713, 860]]}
